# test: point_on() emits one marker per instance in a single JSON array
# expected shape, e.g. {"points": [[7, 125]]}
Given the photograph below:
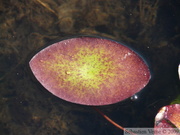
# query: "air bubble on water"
{"points": [[134, 97]]}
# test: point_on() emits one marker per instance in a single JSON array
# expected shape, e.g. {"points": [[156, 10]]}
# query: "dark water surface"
{"points": [[152, 28]]}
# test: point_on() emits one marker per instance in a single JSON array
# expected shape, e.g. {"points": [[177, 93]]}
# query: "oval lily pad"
{"points": [[90, 71]]}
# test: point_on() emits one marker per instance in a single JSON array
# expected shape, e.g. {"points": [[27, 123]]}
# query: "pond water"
{"points": [[151, 28]]}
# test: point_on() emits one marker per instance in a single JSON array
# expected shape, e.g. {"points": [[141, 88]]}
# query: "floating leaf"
{"points": [[168, 117], [90, 71], [176, 100]]}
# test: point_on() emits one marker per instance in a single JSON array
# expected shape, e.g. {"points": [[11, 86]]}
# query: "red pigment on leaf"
{"points": [[90, 71], [168, 117]]}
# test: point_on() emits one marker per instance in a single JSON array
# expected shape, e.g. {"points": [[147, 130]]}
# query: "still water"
{"points": [[151, 28]]}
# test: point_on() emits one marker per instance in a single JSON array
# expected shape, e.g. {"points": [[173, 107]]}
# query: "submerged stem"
{"points": [[112, 122]]}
